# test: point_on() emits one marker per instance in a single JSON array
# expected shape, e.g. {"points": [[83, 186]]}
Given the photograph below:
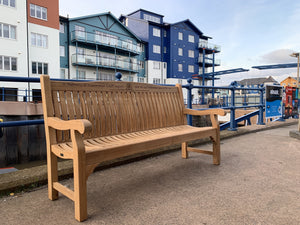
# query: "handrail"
{"points": [[232, 107]]}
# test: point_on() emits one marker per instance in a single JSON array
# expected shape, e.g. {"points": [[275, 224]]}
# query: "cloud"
{"points": [[279, 56]]}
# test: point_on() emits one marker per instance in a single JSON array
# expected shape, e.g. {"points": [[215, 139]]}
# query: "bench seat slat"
{"points": [[106, 148]]}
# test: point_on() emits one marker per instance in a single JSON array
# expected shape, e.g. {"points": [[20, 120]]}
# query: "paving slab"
{"points": [[258, 182]]}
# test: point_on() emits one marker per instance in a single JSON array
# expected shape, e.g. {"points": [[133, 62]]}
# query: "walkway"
{"points": [[258, 182]]}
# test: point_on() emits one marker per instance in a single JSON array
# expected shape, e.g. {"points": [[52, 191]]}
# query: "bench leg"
{"points": [[216, 150], [52, 175], [80, 189], [184, 152]]}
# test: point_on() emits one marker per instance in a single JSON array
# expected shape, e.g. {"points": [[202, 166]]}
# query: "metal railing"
{"points": [[231, 100], [205, 44], [111, 62], [105, 40]]}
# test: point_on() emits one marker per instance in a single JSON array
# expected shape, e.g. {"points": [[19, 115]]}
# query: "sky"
{"points": [[250, 32]]}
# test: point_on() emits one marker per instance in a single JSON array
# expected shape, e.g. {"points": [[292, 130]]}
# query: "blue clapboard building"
{"points": [[95, 47]]}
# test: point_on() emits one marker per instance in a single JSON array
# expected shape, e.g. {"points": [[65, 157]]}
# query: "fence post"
{"points": [[118, 76], [189, 100], [232, 107], [261, 107]]}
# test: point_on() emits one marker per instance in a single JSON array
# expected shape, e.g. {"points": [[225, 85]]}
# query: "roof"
{"points": [[199, 32], [104, 14], [257, 81], [145, 11]]}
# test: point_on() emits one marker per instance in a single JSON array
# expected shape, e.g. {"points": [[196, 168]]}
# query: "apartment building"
{"points": [[174, 51], [95, 47], [29, 45]]}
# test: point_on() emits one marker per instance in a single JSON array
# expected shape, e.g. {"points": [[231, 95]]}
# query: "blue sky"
{"points": [[250, 32]]}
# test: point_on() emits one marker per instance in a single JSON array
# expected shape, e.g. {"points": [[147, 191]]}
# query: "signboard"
{"points": [[273, 101]]}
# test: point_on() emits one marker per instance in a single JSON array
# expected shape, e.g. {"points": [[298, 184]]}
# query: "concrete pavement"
{"points": [[258, 182]]}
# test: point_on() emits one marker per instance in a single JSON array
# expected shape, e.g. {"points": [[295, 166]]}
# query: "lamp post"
{"points": [[296, 54]]}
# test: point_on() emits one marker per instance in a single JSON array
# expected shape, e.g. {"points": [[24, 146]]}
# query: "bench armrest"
{"points": [[80, 125], [211, 112], [193, 112]]}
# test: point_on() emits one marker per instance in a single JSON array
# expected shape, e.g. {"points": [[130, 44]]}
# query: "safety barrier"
{"points": [[229, 104]]}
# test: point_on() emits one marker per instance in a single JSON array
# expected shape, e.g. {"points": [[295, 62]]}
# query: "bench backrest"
{"points": [[113, 107]]}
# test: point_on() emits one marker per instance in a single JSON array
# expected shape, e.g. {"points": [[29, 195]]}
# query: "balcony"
{"points": [[106, 41], [105, 62], [209, 61], [209, 47]]}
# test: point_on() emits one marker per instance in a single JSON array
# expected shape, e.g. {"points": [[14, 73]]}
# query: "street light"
{"points": [[296, 54]]}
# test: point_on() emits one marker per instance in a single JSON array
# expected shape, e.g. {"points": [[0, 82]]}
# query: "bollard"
{"points": [[261, 107], [232, 107], [189, 100]]}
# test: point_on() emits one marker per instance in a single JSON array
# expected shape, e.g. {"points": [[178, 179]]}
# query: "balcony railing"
{"points": [[209, 61], [105, 40], [107, 62], [210, 46]]}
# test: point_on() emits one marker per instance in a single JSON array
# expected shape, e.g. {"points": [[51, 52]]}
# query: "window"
{"points": [[180, 51], [11, 3], [39, 40], [8, 63], [156, 65], [191, 69], [62, 28], [36, 95], [79, 31], [141, 79], [156, 81], [38, 12], [81, 74], [180, 36], [62, 51], [39, 68], [165, 33], [156, 32], [180, 67], [156, 49], [165, 50], [191, 39], [62, 73], [9, 94], [151, 18], [191, 54], [8, 31]]}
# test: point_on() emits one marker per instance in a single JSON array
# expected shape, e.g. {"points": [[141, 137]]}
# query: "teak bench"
{"points": [[92, 122]]}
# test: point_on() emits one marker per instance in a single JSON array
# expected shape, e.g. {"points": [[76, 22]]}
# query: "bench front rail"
{"points": [[92, 122]]}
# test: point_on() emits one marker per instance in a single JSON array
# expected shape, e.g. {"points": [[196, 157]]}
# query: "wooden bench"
{"points": [[92, 122]]}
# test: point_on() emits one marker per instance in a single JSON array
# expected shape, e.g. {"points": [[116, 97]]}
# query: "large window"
{"points": [[191, 54], [39, 68], [191, 39], [180, 36], [151, 18], [39, 40], [79, 31], [191, 69], [8, 31], [11, 3], [61, 27], [156, 49], [156, 81], [180, 67], [156, 65], [38, 12], [62, 51], [8, 63], [180, 51], [156, 32]]}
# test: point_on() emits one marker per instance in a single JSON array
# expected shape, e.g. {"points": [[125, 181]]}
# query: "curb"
{"points": [[26, 179]]}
